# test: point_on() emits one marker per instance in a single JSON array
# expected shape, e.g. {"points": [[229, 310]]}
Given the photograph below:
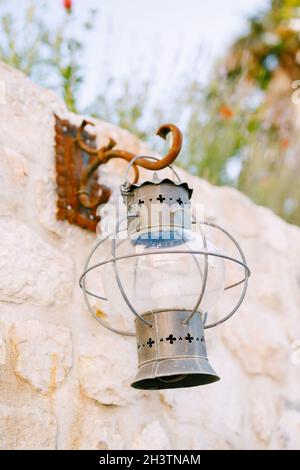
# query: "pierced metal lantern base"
{"points": [[172, 354]]}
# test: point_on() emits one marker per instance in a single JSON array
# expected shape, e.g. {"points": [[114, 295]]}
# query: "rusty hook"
{"points": [[106, 153]]}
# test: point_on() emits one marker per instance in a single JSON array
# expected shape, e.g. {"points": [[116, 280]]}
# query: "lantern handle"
{"points": [[132, 163]]}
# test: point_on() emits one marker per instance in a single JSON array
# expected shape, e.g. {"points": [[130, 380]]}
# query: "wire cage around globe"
{"points": [[159, 274], [129, 265], [170, 335]]}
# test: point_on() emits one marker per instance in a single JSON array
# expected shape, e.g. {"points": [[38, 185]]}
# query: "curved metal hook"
{"points": [[107, 152], [163, 131], [99, 157]]}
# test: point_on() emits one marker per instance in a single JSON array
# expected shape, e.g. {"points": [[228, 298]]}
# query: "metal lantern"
{"points": [[169, 276]]}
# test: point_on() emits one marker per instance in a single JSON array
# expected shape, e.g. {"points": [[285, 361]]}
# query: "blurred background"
{"points": [[227, 72]]}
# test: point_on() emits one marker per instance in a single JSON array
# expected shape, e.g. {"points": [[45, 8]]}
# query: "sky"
{"points": [[160, 39], [156, 40]]}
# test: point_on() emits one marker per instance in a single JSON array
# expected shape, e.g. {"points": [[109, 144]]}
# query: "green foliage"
{"points": [[21, 50], [241, 128], [232, 139], [50, 55]]}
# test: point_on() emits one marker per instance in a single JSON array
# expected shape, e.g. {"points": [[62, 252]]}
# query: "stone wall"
{"points": [[64, 381]]}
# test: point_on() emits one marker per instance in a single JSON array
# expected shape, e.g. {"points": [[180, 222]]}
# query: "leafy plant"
{"points": [[51, 56]]}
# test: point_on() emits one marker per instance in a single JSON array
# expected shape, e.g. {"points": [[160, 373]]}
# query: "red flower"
{"points": [[226, 112], [284, 143], [67, 5]]}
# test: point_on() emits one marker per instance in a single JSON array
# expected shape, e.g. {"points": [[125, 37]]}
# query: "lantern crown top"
{"points": [[128, 189]]}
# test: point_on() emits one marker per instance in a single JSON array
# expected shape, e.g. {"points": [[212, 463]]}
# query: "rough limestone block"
{"points": [[17, 165], [287, 431], [263, 419], [214, 415], [153, 437], [259, 343], [31, 270], [2, 351], [96, 433], [26, 428], [107, 366], [43, 353], [13, 178]]}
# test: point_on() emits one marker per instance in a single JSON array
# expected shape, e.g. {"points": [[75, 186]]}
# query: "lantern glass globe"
{"points": [[158, 272]]}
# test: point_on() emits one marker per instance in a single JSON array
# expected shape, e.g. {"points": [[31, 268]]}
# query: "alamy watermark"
{"points": [[114, 218]]}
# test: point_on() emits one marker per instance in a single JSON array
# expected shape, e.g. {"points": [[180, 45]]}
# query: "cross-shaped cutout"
{"points": [[160, 199], [171, 339], [150, 342], [189, 338], [180, 201], [141, 202]]}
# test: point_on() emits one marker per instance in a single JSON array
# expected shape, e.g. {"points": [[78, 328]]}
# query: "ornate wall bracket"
{"points": [[71, 162], [77, 159]]}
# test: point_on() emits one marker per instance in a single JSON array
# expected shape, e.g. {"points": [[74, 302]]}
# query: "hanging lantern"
{"points": [[168, 275]]}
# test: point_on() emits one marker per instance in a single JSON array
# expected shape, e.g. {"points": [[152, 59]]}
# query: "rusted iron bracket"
{"points": [[77, 159], [71, 162]]}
